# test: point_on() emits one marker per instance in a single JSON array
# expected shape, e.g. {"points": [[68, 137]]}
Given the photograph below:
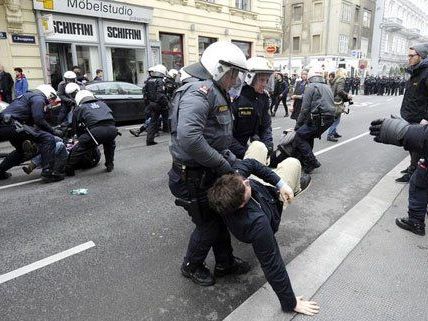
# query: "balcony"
{"points": [[392, 24], [411, 33]]}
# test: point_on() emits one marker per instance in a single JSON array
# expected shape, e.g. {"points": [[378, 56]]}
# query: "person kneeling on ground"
{"points": [[250, 214]]}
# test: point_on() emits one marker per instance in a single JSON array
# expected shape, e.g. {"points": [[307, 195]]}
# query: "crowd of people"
{"points": [[226, 172]]}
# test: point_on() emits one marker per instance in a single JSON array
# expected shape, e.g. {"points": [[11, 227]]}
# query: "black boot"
{"points": [[305, 181], [236, 267], [407, 225], [50, 176], [198, 273], [28, 169], [5, 175], [109, 167], [405, 178]]}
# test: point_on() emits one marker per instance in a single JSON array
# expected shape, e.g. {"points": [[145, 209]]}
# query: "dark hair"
{"points": [[98, 71], [18, 69], [227, 194]]}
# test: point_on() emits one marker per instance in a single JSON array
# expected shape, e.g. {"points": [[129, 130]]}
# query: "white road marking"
{"points": [[340, 144], [376, 104], [46, 261], [22, 183], [276, 128]]}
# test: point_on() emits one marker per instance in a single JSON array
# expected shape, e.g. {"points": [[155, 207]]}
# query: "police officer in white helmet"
{"points": [[201, 131], [67, 102]]}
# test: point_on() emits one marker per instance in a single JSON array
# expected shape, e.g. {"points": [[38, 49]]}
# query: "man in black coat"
{"points": [[6, 85], [414, 108], [252, 212], [413, 138]]}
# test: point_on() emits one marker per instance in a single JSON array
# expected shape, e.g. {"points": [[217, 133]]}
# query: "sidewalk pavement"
{"points": [[362, 268]]}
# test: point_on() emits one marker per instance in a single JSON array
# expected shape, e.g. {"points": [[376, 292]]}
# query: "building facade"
{"points": [[401, 23], [330, 33], [48, 37]]}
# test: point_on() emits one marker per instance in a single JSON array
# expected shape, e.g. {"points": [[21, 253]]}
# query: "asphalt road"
{"points": [[140, 237]]}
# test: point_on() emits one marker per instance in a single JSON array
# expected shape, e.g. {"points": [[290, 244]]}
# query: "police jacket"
{"points": [[251, 117], [65, 99], [155, 91], [414, 107], [416, 140], [30, 109], [318, 99], [201, 125], [92, 114], [257, 222]]}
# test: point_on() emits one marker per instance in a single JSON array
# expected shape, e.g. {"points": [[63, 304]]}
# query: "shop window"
{"points": [[244, 46], [243, 4], [297, 12], [172, 50], [204, 42], [296, 43], [316, 43]]}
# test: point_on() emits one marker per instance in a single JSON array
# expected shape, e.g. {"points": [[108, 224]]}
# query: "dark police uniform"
{"points": [[97, 117], [201, 128], [28, 109], [67, 102], [257, 222], [251, 118], [157, 104]]}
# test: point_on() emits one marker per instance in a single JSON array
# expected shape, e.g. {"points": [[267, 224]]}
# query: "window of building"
{"points": [[297, 12], [364, 46], [172, 50], [243, 4], [318, 12], [357, 14], [346, 12], [367, 18], [354, 43], [204, 42], [316, 43], [244, 46], [296, 43], [343, 44]]}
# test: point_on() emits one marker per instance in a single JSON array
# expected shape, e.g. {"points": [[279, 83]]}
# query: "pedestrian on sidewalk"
{"points": [[414, 108], [413, 138], [6, 85], [252, 212], [21, 83]]}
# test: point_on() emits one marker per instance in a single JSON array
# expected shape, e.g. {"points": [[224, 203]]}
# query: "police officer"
{"points": [[67, 102], [251, 109], [94, 125], [201, 132], [316, 116], [171, 83], [16, 125], [157, 101]]}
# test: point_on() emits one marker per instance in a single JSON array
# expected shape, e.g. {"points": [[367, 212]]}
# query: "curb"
{"points": [[309, 270]]}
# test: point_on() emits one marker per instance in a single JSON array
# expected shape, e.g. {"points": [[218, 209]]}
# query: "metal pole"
{"points": [[328, 27], [148, 46], [103, 50], [42, 46]]}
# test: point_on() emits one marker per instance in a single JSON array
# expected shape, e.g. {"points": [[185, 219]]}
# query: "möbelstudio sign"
{"points": [[124, 34], [97, 8]]}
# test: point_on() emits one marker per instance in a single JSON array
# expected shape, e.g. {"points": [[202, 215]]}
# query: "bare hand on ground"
{"points": [[286, 193], [306, 307]]}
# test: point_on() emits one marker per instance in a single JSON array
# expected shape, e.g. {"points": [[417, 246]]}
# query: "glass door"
{"points": [[88, 60], [60, 60]]}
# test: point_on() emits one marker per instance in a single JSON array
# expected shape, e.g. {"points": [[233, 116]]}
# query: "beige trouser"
{"points": [[289, 169]]}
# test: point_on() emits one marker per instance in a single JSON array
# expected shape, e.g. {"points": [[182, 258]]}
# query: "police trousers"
{"points": [[210, 230], [104, 135], [418, 194], [44, 140]]}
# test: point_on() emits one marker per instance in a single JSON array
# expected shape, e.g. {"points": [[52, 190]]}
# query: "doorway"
{"points": [[60, 60]]}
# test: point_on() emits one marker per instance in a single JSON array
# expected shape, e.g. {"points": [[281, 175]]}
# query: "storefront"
{"points": [[94, 34]]}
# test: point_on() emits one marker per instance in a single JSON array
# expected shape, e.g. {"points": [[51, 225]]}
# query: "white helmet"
{"points": [[173, 73], [47, 91], [83, 96], [257, 65], [222, 56], [72, 88], [158, 70], [315, 71], [184, 75], [70, 75]]}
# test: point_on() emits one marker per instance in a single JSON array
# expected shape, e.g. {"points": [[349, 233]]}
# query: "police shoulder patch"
{"points": [[203, 89], [223, 108]]}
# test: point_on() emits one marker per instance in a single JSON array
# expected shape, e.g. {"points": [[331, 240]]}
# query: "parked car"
{"points": [[124, 99]]}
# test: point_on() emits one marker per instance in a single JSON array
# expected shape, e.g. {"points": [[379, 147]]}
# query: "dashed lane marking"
{"points": [[46, 261]]}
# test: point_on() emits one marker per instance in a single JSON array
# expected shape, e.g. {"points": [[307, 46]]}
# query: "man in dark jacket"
{"points": [[6, 85], [16, 125], [252, 212], [251, 109], [413, 138], [94, 124], [298, 94], [414, 108], [280, 93], [316, 116]]}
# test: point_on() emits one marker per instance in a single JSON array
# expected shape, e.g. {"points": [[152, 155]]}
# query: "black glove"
{"points": [[389, 131], [224, 169], [270, 150], [229, 156]]}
